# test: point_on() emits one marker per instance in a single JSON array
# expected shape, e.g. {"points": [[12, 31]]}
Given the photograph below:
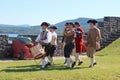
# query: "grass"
{"points": [[108, 68]]}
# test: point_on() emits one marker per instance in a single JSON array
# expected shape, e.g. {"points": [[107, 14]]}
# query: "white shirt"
{"points": [[47, 40], [54, 38]]}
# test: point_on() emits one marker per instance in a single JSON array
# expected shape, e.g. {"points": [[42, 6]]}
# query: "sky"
{"points": [[33, 12]]}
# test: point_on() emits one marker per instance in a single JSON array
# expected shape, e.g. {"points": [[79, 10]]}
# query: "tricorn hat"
{"points": [[92, 21], [66, 23], [53, 27], [45, 24], [77, 23], [71, 23]]}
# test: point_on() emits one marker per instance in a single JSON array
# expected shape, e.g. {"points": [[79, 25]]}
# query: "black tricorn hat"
{"points": [[92, 21], [45, 24], [71, 23], [66, 23], [77, 23], [53, 27]]}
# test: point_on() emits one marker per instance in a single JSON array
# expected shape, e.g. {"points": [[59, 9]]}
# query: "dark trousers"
{"points": [[52, 51], [49, 49], [68, 49]]}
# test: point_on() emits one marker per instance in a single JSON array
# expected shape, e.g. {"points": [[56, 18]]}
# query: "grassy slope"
{"points": [[108, 68]]}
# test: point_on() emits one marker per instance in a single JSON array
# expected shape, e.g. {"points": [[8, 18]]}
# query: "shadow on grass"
{"points": [[101, 55], [32, 68]]}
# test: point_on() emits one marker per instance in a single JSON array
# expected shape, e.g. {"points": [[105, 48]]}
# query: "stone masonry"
{"points": [[110, 30]]}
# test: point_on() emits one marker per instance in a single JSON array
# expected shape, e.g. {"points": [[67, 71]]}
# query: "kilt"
{"points": [[68, 48], [90, 51]]}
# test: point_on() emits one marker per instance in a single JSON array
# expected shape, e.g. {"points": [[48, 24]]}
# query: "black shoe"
{"points": [[73, 64], [42, 68], [94, 64], [65, 62], [79, 63], [90, 66], [48, 64]]}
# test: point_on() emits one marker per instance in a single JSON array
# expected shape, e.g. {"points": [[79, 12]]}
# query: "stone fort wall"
{"points": [[109, 29]]}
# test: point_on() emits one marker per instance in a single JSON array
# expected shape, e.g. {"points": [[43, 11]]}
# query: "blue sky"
{"points": [[33, 12]]}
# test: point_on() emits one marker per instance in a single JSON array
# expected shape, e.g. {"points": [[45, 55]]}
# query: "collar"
{"points": [[93, 27], [45, 30]]}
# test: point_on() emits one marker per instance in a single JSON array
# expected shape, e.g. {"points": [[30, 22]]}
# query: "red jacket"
{"points": [[79, 40]]}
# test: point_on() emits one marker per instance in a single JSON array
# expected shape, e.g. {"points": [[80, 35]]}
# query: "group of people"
{"points": [[72, 42], [73, 37]]}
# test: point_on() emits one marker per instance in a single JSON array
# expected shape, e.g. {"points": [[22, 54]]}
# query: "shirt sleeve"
{"points": [[38, 38], [49, 38], [55, 36]]}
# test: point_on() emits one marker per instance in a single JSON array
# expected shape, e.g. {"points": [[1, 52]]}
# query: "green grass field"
{"points": [[108, 68]]}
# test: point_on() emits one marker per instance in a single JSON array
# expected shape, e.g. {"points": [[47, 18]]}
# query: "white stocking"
{"points": [[44, 62], [50, 59], [68, 62]]}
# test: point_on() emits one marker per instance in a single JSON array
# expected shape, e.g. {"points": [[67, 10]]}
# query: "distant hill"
{"points": [[7, 25], [19, 30], [82, 21], [26, 29]]}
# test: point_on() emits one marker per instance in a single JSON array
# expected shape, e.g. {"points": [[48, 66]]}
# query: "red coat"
{"points": [[79, 41]]}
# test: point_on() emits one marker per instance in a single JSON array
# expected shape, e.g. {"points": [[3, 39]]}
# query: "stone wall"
{"points": [[3, 45], [110, 26]]}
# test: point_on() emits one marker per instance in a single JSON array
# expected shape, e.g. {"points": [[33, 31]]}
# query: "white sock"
{"points": [[52, 63], [92, 60], [77, 58], [68, 62], [71, 61], [50, 59], [44, 62]]}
